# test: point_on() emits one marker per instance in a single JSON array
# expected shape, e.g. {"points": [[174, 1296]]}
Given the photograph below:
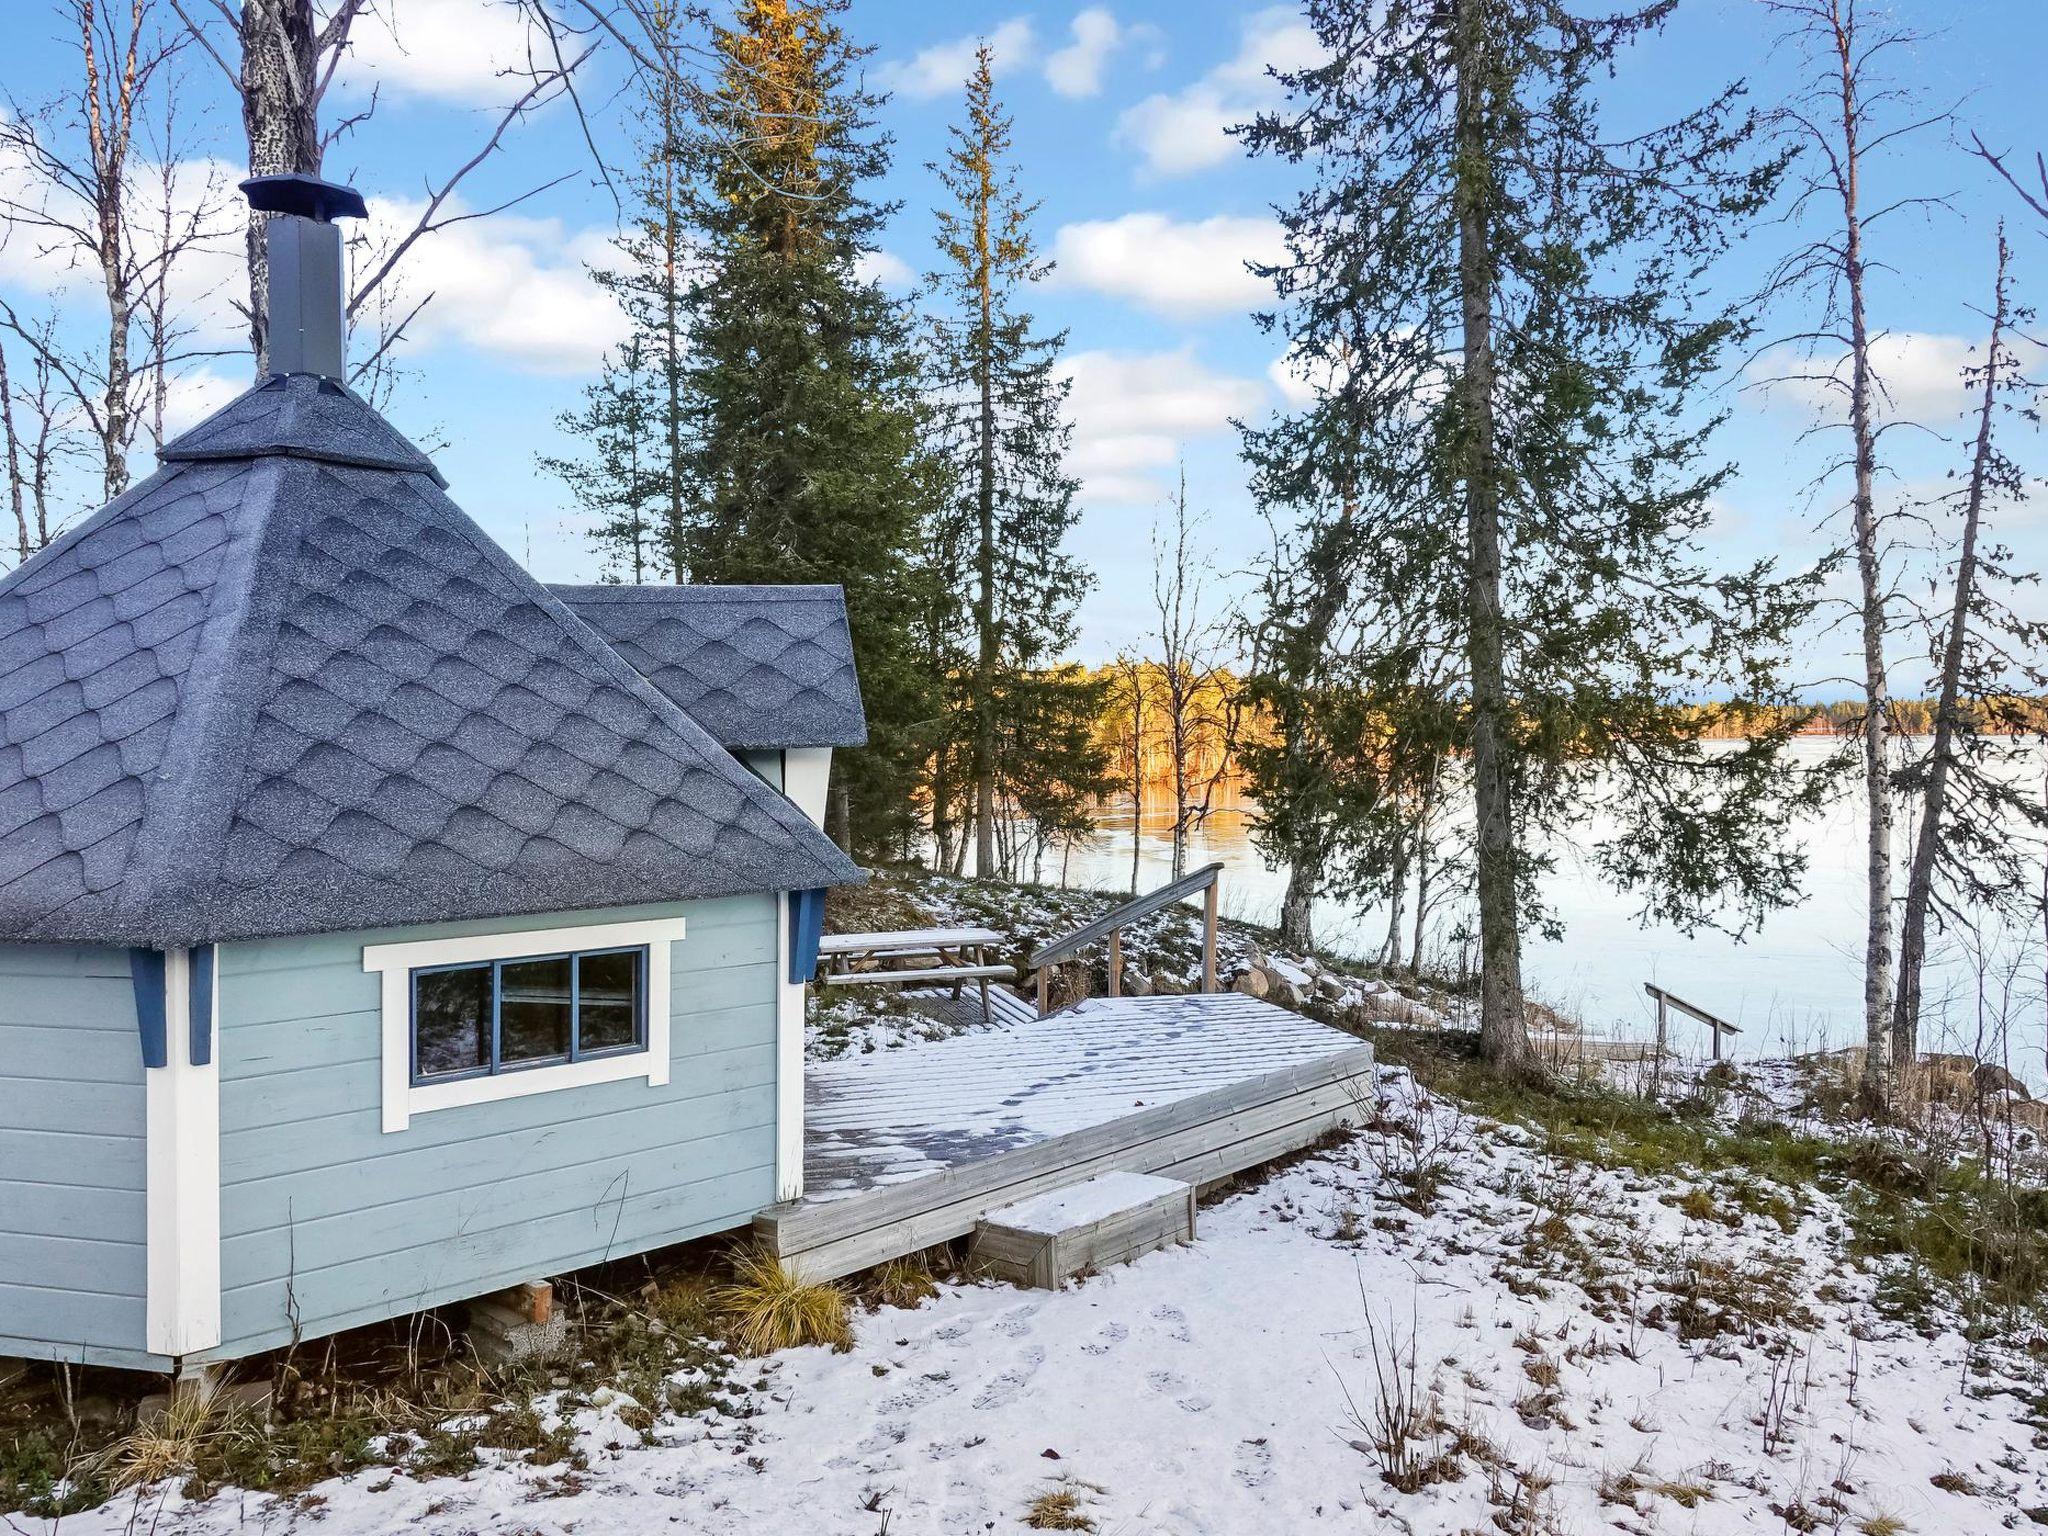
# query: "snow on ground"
{"points": [[1580, 1355]]}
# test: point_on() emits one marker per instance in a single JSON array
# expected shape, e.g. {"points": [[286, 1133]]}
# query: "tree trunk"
{"points": [[1137, 774], [1503, 1032], [280, 117], [1934, 801], [1297, 907], [985, 566], [13, 446], [1425, 816], [1390, 946], [1877, 949]]}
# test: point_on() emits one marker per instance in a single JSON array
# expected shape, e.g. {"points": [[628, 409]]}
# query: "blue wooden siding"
{"points": [[325, 1214], [73, 1224]]}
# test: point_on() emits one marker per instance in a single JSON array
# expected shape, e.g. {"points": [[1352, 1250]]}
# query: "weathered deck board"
{"points": [[911, 1147]]}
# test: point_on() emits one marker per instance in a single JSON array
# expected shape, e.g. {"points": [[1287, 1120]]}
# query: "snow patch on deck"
{"points": [[898, 1115]]}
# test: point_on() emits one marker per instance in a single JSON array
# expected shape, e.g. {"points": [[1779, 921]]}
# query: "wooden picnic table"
{"points": [[933, 955]]}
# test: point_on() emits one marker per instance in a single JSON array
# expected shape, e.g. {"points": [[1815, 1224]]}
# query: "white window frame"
{"points": [[395, 963]]}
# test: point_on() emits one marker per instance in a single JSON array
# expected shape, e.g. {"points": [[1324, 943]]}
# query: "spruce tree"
{"points": [[1501, 310], [999, 406], [801, 452]]}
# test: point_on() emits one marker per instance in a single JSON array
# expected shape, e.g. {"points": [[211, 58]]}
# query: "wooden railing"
{"points": [[1111, 926], [1666, 1000]]}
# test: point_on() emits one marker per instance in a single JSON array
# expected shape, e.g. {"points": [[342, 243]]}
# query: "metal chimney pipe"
{"points": [[306, 322]]}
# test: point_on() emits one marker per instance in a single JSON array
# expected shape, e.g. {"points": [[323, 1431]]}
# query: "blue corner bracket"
{"points": [[200, 1005], [146, 968], [806, 928]]}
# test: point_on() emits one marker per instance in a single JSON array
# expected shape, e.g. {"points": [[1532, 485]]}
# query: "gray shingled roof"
{"points": [[755, 666], [278, 690]]}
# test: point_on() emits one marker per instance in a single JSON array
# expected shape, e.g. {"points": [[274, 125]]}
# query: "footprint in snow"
{"points": [[1016, 1322], [885, 1437], [1254, 1463], [1169, 1384], [1107, 1337], [1176, 1323], [1005, 1388], [927, 1388], [953, 1331]]}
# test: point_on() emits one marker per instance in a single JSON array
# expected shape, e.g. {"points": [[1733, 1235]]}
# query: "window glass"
{"points": [[452, 1021], [608, 989], [533, 1010]]}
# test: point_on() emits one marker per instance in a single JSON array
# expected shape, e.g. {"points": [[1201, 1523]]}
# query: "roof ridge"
{"points": [[638, 592], [298, 415], [191, 804]]}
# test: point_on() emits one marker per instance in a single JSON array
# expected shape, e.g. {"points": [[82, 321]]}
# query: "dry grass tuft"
{"points": [[767, 1308], [1060, 1507], [165, 1445], [904, 1282]]}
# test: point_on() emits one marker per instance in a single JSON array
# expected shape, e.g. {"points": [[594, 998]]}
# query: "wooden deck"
{"points": [[910, 1147]]}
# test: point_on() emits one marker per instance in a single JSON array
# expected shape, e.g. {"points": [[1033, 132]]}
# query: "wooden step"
{"points": [[1109, 1219]]}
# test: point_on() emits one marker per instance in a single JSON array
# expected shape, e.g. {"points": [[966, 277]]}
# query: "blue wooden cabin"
{"points": [[378, 927]]}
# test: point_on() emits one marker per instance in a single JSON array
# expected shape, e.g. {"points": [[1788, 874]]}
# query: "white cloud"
{"points": [[1921, 371], [1186, 130], [193, 397], [508, 285], [457, 50], [886, 269], [1132, 412], [1169, 266], [1076, 70], [943, 68]]}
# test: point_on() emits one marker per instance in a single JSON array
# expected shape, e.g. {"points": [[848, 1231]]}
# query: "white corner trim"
{"points": [[181, 1110], [396, 962], [806, 775], [789, 1064]]}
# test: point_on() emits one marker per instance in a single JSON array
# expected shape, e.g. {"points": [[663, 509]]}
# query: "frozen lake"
{"points": [[1794, 985]]}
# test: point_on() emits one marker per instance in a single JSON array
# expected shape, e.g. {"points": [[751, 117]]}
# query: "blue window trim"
{"points": [[497, 1067]]}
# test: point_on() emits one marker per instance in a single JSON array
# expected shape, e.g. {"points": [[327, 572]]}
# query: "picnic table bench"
{"points": [[914, 957]]}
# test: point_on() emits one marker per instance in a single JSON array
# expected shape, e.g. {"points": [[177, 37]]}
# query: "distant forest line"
{"points": [[1213, 725]]}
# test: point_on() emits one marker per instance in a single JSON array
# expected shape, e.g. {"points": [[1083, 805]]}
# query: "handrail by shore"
{"points": [[1112, 923]]}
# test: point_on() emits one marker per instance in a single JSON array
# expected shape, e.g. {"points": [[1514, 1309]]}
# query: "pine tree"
{"points": [[801, 421], [1500, 310], [620, 477], [1000, 408]]}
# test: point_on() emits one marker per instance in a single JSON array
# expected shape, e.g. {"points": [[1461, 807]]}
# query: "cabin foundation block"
{"points": [[511, 1327], [1109, 1219]]}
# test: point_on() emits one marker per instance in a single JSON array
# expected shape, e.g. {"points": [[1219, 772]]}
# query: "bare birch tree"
{"points": [[1967, 859], [1843, 116], [83, 202], [1191, 676]]}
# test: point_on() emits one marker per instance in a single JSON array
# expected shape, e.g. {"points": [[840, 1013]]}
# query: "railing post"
{"points": [[1116, 962], [1209, 938], [1041, 991]]}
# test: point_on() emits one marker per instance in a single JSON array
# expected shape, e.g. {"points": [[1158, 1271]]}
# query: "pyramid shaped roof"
{"points": [[285, 685]]}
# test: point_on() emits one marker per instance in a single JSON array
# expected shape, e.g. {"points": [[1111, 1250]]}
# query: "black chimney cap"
{"points": [[307, 196]]}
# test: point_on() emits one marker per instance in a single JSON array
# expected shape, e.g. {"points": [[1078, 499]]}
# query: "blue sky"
{"points": [[1149, 210]]}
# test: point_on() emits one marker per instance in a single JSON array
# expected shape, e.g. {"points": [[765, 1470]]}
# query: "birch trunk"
{"points": [[1873, 608], [13, 446], [1934, 800], [280, 119], [1503, 1032]]}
